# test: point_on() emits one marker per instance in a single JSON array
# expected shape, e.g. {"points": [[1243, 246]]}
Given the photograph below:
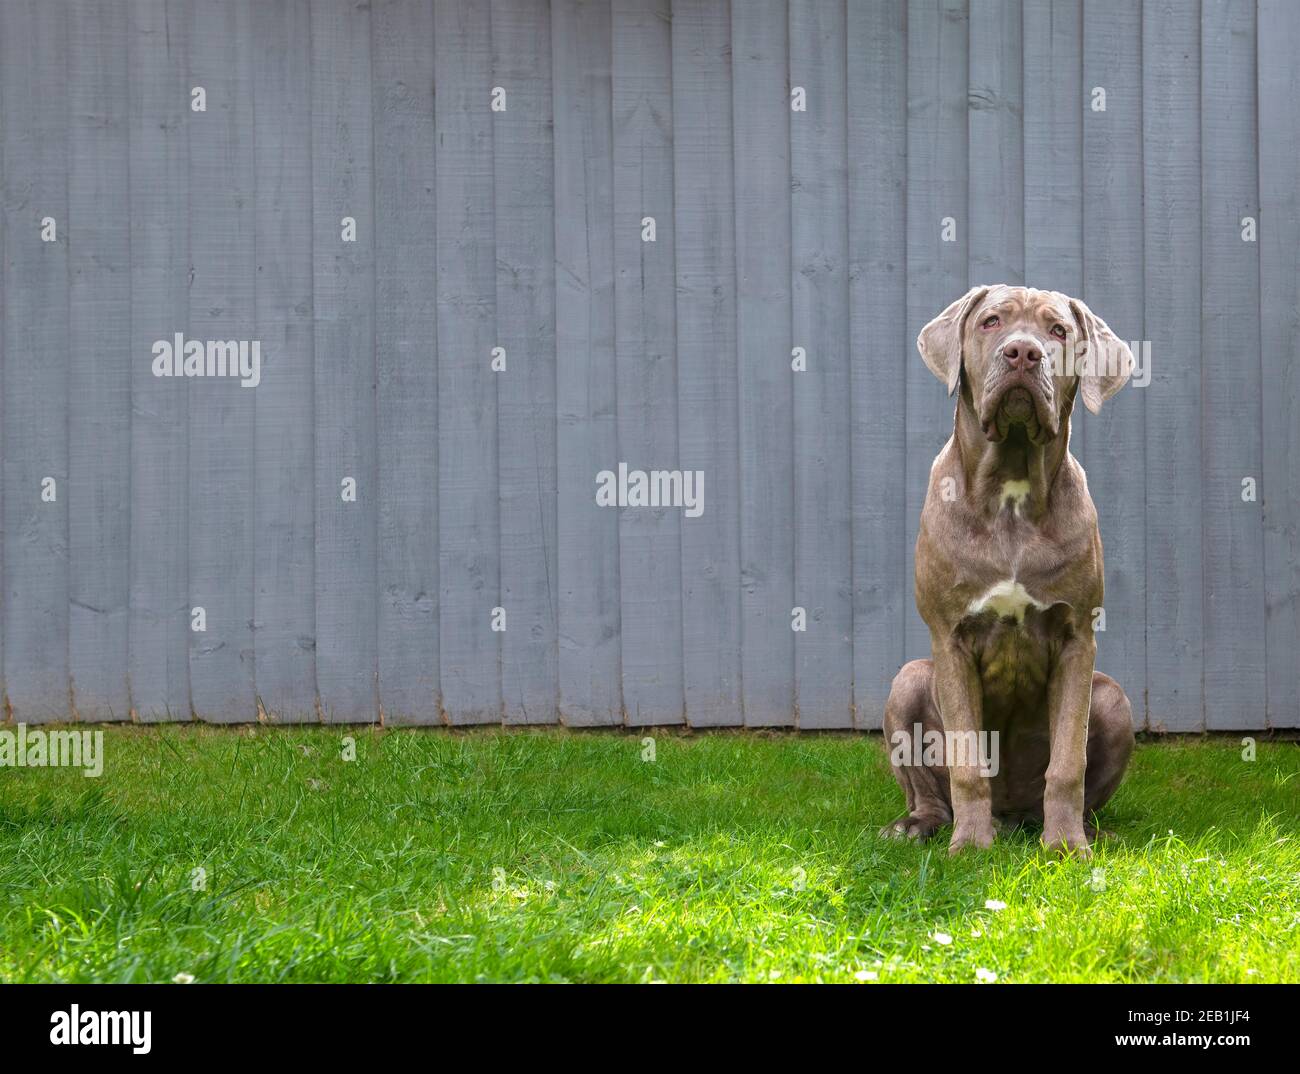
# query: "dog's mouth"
{"points": [[1020, 407]]}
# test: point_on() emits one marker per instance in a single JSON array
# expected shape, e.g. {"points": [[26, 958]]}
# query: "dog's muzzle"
{"points": [[1019, 393]]}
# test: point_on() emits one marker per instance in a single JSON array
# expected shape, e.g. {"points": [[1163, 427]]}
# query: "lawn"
{"points": [[565, 856]]}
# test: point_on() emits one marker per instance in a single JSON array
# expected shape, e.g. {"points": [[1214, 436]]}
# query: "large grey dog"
{"points": [[1009, 580]]}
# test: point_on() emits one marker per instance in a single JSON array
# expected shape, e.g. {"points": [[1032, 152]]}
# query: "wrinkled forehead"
{"points": [[1024, 303]]}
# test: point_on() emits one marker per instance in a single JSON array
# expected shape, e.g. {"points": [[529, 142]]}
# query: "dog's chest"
{"points": [[1007, 599], [1013, 639]]}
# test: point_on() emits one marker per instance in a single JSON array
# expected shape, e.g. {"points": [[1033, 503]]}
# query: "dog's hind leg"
{"points": [[1110, 742], [910, 712]]}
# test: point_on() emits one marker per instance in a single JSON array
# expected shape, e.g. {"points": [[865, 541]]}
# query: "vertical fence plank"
{"points": [[1115, 452], [1279, 238], [586, 391], [937, 132], [524, 173], [99, 404], [1231, 446], [880, 349], [1172, 197], [997, 128], [344, 318], [221, 313], [406, 359], [707, 386], [1053, 145], [761, 92], [284, 611], [820, 313], [650, 563], [34, 85], [159, 108], [469, 568]]}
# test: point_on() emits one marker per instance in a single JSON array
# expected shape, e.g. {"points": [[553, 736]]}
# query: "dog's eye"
{"points": [[991, 322], [1058, 330]]}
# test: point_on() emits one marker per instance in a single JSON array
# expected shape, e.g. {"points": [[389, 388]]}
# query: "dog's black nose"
{"points": [[1022, 353]]}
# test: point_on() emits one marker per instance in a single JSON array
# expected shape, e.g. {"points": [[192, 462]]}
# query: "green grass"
{"points": [[561, 856]]}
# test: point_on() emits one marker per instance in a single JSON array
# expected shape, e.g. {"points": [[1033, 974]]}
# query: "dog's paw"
{"points": [[978, 836], [1067, 842], [913, 826]]}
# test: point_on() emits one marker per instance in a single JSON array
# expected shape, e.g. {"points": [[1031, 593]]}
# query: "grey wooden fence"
{"points": [[498, 161]]}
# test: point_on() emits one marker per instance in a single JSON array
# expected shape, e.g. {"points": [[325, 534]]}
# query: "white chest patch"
{"points": [[1015, 493], [1008, 599]]}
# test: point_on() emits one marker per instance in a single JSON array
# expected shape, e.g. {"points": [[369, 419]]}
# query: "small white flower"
{"points": [[941, 938], [183, 978], [866, 975], [994, 904], [985, 976]]}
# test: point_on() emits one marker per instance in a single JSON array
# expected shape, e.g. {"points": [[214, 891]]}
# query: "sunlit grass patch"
{"points": [[261, 854]]}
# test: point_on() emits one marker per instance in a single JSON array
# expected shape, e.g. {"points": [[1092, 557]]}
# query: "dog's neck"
{"points": [[1013, 474]]}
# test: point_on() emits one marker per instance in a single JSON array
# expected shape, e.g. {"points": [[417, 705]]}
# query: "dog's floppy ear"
{"points": [[1104, 364], [940, 340]]}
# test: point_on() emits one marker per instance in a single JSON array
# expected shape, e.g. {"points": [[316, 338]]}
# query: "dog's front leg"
{"points": [[1069, 697], [961, 706]]}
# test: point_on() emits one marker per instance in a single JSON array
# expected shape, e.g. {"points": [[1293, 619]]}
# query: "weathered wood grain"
{"points": [[1171, 50], [346, 572], [284, 605], [881, 350], [708, 388], [99, 336], [819, 207], [406, 356]]}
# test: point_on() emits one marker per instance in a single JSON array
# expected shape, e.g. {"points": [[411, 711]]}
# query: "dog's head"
{"points": [[1024, 354]]}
